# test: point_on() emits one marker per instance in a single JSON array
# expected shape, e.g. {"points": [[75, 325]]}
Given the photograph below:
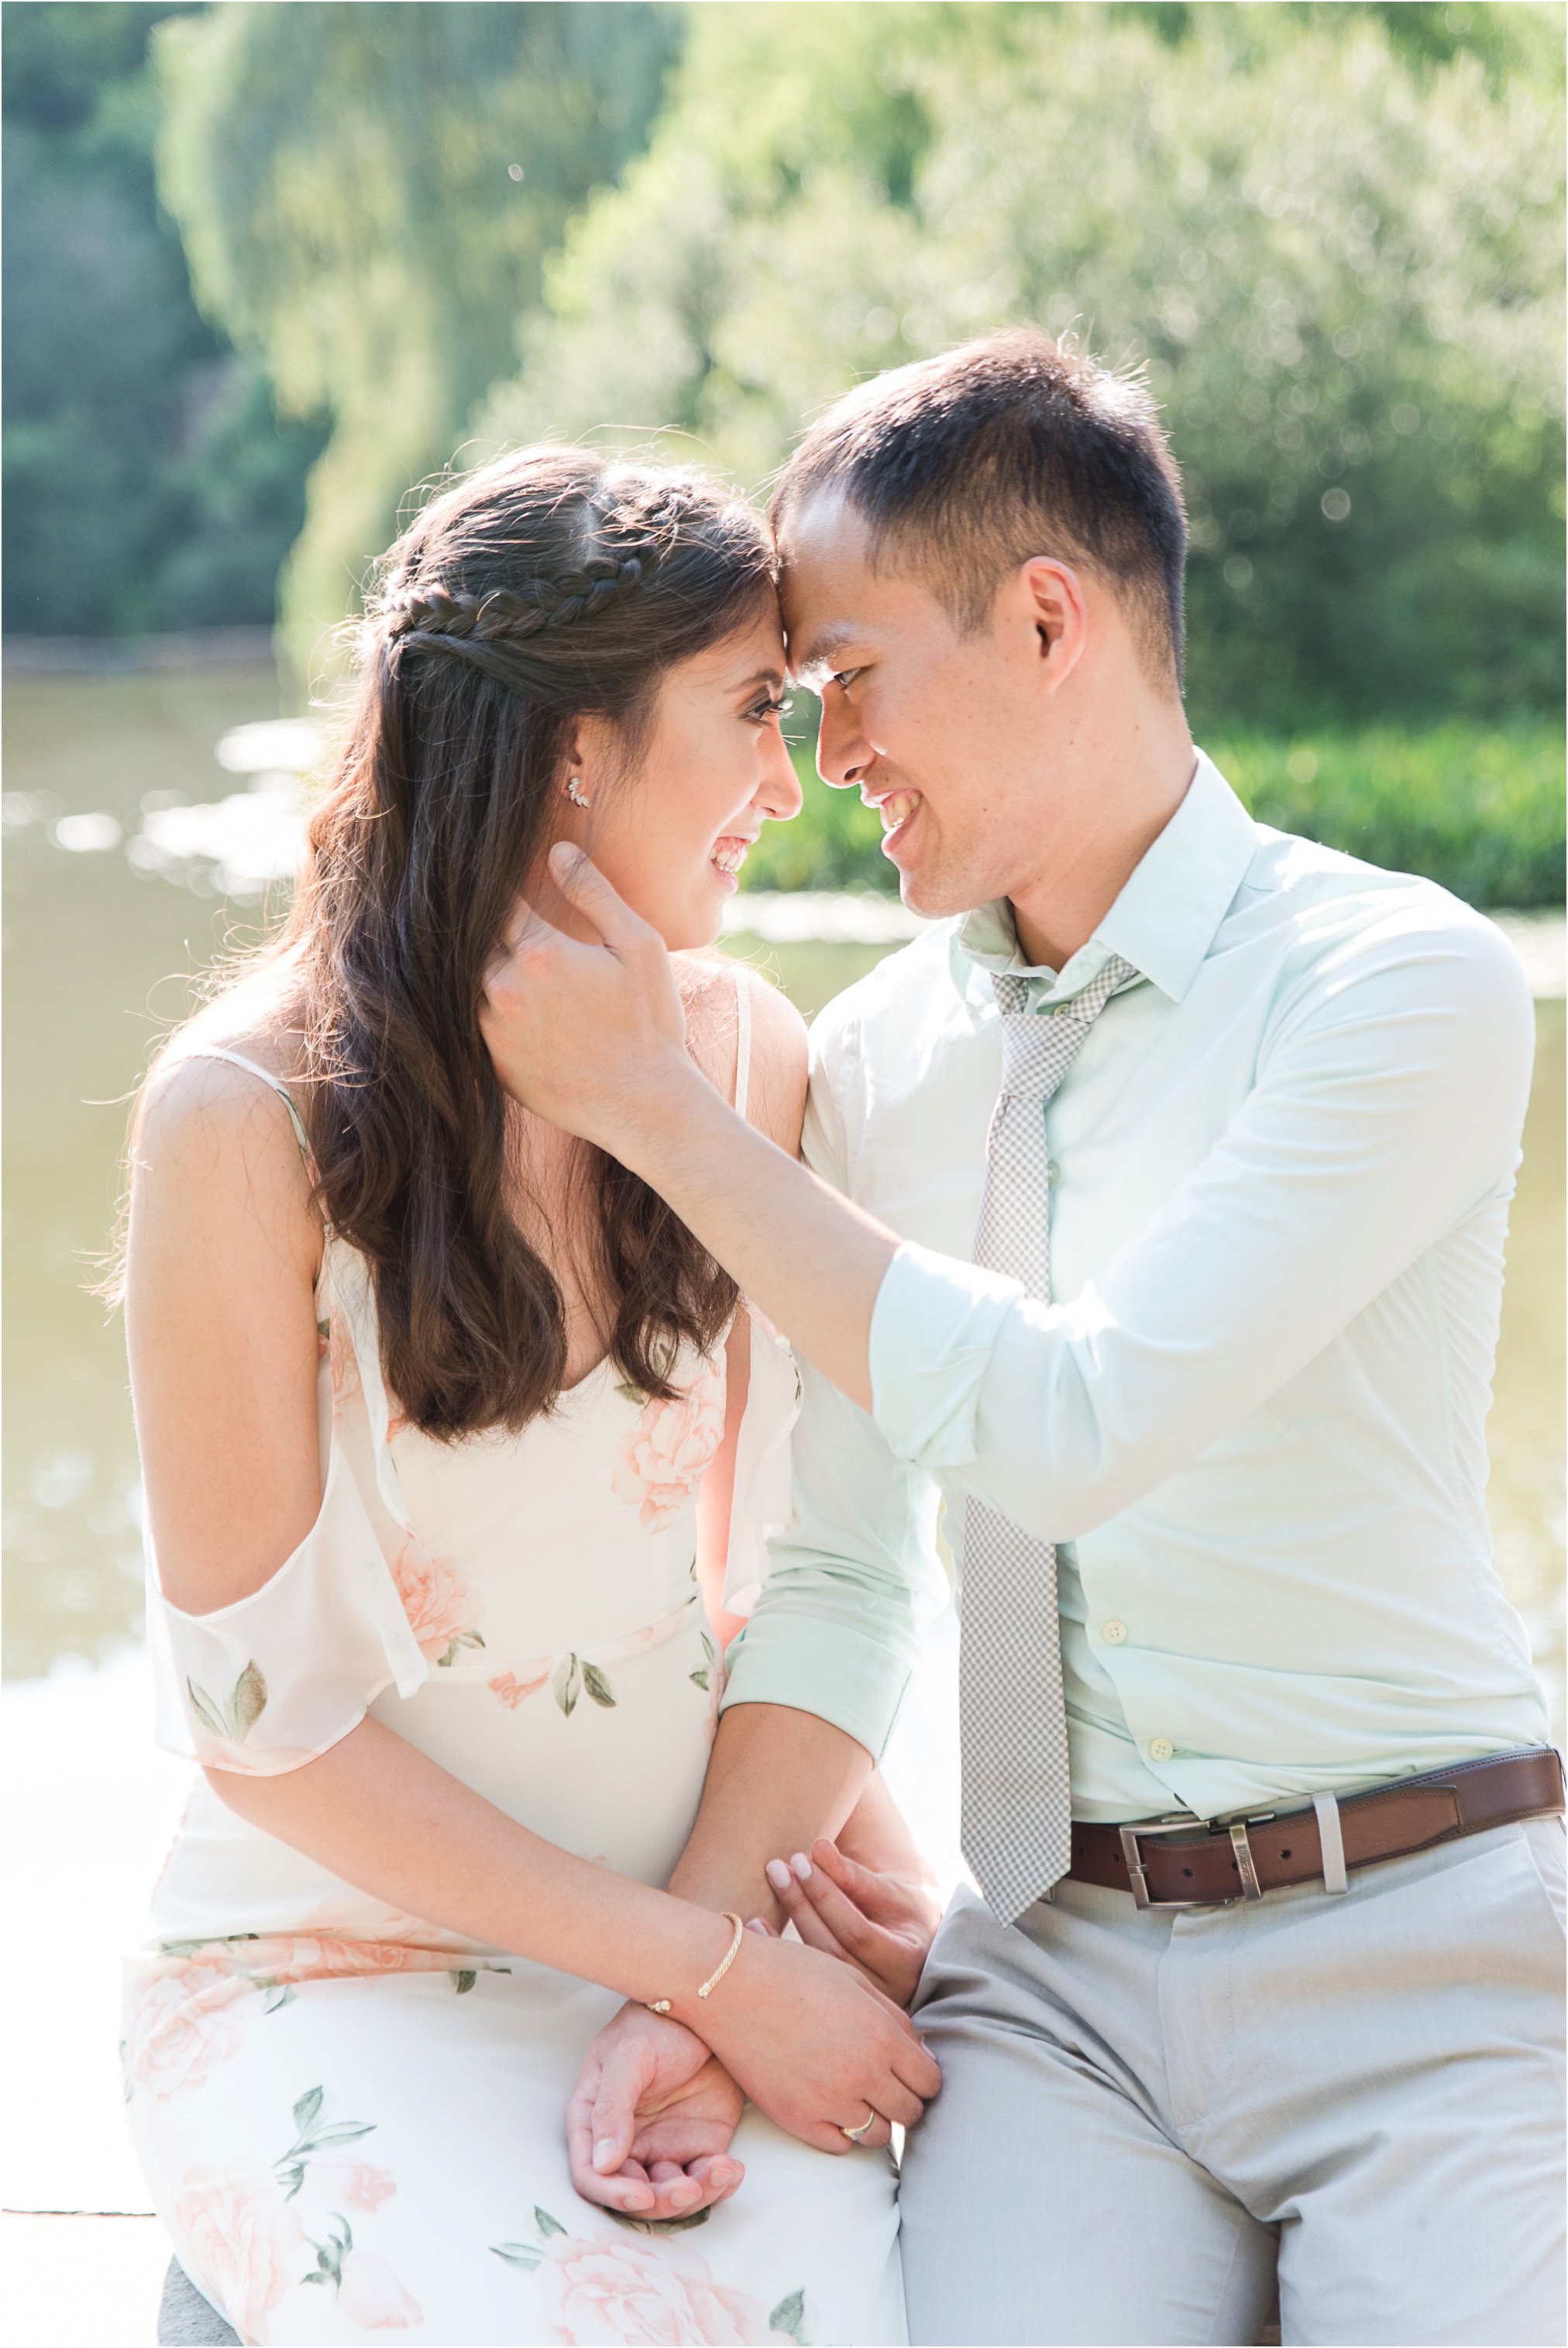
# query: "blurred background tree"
{"points": [[1330, 234], [367, 195], [1332, 237], [148, 483]]}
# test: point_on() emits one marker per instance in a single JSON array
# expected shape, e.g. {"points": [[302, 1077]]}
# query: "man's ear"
{"points": [[1052, 599]]}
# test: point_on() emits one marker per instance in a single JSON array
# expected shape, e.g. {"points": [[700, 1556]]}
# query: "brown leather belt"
{"points": [[1185, 1862]]}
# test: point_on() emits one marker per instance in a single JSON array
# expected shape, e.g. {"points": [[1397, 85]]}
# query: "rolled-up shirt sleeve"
{"points": [[1387, 1099], [853, 1581]]}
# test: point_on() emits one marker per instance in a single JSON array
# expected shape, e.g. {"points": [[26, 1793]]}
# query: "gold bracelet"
{"points": [[663, 2004]]}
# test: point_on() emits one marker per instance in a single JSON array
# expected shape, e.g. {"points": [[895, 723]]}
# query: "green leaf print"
{"points": [[463, 1639], [699, 1679], [279, 1995], [201, 1706], [567, 1684], [597, 1686], [331, 2254], [789, 2316], [290, 2166], [250, 1700], [462, 1980], [528, 2255], [659, 2224], [233, 1721], [629, 1392]]}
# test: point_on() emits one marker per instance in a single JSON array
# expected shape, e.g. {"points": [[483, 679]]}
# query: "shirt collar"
{"points": [[1164, 920]]}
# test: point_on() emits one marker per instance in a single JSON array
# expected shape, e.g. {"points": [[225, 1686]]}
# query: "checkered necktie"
{"points": [[1017, 1802]]}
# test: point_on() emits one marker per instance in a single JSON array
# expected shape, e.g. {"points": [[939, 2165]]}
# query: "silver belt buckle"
{"points": [[1138, 1881]]}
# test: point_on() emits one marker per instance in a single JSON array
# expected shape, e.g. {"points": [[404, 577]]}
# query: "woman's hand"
{"points": [[882, 1923], [650, 2118], [815, 2045]]}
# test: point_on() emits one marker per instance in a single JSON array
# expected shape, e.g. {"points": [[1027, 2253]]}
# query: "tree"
{"points": [[367, 196], [1335, 246], [148, 483]]}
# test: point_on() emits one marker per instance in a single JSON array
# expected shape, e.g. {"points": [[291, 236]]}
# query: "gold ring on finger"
{"points": [[854, 2134]]}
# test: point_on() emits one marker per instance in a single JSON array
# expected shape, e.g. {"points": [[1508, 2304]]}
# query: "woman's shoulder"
{"points": [[711, 984], [219, 1094], [714, 988]]}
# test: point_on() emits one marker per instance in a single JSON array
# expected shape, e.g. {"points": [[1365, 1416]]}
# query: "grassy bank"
{"points": [[1479, 809]]}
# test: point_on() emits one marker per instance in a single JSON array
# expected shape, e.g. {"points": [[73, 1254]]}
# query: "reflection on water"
{"points": [[108, 782]]}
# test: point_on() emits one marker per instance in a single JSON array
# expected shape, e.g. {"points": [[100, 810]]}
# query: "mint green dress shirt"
{"points": [[1253, 1417]]}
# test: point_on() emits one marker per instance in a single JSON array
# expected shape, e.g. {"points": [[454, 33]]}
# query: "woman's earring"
{"points": [[575, 792]]}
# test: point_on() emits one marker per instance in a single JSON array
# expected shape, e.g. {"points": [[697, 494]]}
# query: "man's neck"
{"points": [[1136, 787]]}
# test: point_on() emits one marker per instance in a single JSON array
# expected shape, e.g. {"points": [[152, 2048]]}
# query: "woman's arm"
{"points": [[220, 1317]]}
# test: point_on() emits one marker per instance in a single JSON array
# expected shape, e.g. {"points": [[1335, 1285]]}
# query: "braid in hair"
{"points": [[448, 619]]}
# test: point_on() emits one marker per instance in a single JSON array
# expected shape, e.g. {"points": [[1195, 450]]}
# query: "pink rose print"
{"points": [[606, 2289], [318, 1956], [509, 1690], [180, 2028], [435, 1599], [370, 2294], [661, 1460], [242, 2240], [349, 2184]]}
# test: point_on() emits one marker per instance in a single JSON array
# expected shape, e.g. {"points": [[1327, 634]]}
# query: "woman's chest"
{"points": [[581, 1527]]}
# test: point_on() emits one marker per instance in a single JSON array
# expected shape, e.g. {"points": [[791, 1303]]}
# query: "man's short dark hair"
{"points": [[963, 466]]}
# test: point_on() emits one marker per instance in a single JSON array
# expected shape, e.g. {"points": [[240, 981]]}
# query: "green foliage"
{"points": [[367, 196], [1332, 236], [1479, 810], [147, 482]]}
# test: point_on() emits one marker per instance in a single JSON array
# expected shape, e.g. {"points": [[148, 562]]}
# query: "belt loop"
{"points": [[1332, 1841]]}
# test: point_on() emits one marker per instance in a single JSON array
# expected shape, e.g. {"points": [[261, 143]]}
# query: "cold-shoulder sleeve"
{"points": [[274, 1679]]}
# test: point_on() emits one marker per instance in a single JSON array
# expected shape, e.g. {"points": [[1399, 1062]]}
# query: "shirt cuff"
{"points": [[837, 1674], [933, 1327]]}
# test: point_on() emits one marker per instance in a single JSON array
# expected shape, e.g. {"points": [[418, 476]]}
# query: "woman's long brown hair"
{"points": [[544, 587]]}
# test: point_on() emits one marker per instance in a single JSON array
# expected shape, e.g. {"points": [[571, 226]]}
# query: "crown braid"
{"points": [[513, 614], [448, 617]]}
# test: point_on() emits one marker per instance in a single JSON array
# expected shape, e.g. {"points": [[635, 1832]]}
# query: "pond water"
{"points": [[101, 949]]}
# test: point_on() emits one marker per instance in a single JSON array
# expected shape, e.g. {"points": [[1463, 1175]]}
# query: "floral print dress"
{"points": [[350, 2120]]}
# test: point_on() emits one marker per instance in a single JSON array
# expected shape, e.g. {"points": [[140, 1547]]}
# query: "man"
{"points": [[1160, 1224]]}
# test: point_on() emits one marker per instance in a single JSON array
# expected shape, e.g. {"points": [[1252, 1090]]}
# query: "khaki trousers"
{"points": [[1145, 2116]]}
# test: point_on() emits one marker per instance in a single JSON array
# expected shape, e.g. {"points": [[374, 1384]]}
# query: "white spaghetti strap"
{"points": [[742, 1039], [218, 1052]]}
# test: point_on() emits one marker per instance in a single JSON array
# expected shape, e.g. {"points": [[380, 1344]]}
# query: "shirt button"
{"points": [[1052, 1170], [1113, 1633], [1161, 1750]]}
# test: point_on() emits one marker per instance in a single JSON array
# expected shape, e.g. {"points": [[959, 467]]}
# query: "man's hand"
{"points": [[882, 1923], [583, 1034], [592, 1038], [814, 2046], [650, 2118]]}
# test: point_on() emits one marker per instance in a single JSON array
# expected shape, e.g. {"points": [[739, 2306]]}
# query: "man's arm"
{"points": [[818, 1672], [1387, 1106]]}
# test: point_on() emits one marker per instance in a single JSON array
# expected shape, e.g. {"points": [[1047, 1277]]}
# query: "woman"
{"points": [[450, 1433]]}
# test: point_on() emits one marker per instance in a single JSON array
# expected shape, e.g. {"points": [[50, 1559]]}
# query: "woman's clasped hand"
{"points": [[815, 2035]]}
